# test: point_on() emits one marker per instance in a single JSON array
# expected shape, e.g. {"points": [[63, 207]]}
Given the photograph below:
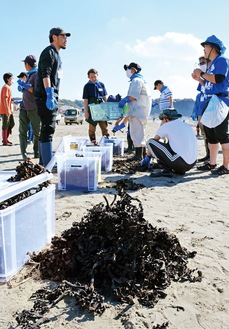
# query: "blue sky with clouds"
{"points": [[162, 36]]}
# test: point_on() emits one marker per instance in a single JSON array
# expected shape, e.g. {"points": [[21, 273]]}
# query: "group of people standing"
{"points": [[39, 106], [177, 154]]}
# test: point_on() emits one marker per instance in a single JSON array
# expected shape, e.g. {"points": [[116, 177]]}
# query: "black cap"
{"points": [[22, 75], [31, 60], [170, 114], [58, 31], [133, 66], [157, 82]]}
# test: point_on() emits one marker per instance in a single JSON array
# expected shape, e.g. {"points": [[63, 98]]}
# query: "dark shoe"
{"points": [[161, 173], [130, 148], [46, 152], [207, 156], [157, 165], [137, 156], [220, 171], [206, 167], [128, 151], [143, 152]]}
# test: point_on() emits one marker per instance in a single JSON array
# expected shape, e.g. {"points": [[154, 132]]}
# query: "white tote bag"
{"points": [[215, 112]]}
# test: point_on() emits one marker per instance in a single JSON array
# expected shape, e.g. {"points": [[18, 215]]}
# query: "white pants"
{"points": [[137, 131]]}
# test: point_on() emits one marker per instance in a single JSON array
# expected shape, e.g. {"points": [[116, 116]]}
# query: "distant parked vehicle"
{"points": [[73, 116]]}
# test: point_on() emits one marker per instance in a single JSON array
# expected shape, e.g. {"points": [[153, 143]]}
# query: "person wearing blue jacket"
{"points": [[199, 107], [216, 82]]}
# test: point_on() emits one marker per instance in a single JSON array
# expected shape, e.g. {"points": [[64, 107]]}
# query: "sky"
{"points": [[163, 37]]}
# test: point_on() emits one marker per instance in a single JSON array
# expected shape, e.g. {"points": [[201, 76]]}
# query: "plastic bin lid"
{"points": [[10, 189]]}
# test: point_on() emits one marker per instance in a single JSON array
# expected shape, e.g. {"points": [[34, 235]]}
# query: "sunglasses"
{"points": [[202, 63]]}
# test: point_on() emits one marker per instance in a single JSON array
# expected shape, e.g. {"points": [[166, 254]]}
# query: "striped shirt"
{"points": [[164, 98]]}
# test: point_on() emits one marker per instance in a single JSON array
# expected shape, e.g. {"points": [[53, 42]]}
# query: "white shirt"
{"points": [[140, 107], [181, 138]]}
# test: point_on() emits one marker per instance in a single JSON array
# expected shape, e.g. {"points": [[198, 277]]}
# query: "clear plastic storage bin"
{"points": [[77, 173], [26, 226], [107, 154], [70, 144], [118, 144]]}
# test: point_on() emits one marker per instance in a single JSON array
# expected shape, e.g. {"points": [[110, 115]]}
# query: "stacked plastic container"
{"points": [[118, 144], [77, 173], [78, 168], [26, 226], [106, 151]]}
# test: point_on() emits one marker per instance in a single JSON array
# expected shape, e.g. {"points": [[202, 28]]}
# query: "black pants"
{"points": [[167, 157], [48, 121]]}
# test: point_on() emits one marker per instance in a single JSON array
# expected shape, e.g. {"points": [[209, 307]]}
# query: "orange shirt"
{"points": [[5, 95]]}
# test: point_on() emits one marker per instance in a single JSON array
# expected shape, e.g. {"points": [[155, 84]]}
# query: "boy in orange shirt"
{"points": [[6, 109]]}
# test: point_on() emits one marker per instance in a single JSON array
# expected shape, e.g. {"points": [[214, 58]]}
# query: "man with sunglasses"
{"points": [[47, 90]]}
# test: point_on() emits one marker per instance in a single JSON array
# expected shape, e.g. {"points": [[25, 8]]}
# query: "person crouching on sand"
{"points": [[179, 154]]}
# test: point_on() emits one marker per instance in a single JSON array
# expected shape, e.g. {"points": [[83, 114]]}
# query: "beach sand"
{"points": [[193, 206]]}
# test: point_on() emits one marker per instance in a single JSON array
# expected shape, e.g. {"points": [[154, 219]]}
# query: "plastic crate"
{"points": [[107, 155], [77, 173], [9, 189], [118, 144], [105, 111], [70, 144], [95, 154], [26, 226]]}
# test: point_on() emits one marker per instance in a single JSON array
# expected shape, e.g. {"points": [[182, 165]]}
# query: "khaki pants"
{"points": [[92, 129]]}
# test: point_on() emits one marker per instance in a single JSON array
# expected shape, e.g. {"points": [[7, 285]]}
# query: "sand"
{"points": [[194, 207]]}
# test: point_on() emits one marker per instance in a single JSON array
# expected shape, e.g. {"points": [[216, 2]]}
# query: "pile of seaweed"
{"points": [[122, 166], [113, 252], [26, 170], [128, 184]]}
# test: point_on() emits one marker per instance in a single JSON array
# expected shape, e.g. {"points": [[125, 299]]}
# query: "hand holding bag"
{"points": [[215, 113]]}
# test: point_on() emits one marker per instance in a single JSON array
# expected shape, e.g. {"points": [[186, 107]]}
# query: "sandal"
{"points": [[220, 171], [206, 167]]}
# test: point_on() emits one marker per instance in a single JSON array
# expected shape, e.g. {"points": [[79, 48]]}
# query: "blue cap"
{"points": [[215, 43]]}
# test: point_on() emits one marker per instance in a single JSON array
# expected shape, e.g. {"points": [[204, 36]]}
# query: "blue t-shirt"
{"points": [[220, 65]]}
